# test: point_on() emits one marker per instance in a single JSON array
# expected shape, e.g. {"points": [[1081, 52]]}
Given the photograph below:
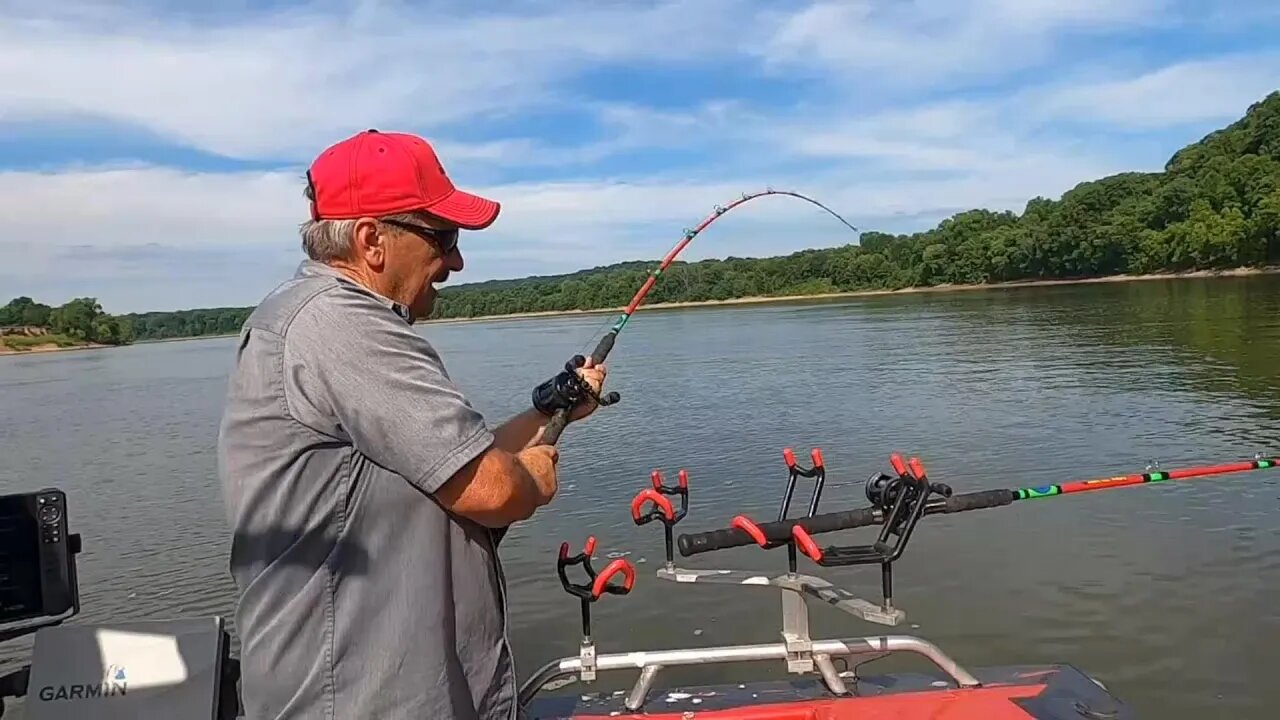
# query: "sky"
{"points": [[152, 152]]}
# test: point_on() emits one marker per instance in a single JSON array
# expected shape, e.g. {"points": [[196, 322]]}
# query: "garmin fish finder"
{"points": [[37, 561], [37, 572], [136, 670]]}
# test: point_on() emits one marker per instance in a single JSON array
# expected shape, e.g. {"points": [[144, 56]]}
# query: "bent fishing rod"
{"points": [[880, 491], [559, 395]]}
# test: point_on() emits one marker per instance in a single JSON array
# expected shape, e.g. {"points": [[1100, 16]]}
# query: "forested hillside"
{"points": [[1215, 205]]}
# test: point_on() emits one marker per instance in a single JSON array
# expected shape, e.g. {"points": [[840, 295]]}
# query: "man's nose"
{"points": [[455, 260]]}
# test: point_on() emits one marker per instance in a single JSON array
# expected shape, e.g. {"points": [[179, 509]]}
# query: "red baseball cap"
{"points": [[375, 173]]}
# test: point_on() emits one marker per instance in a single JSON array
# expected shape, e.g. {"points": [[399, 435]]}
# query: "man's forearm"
{"points": [[520, 431]]}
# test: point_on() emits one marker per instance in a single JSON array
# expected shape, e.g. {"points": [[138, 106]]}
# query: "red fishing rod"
{"points": [[566, 389], [1078, 486], [880, 492]]}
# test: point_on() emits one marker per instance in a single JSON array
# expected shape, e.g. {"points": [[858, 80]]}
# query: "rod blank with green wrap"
{"points": [[1077, 486]]}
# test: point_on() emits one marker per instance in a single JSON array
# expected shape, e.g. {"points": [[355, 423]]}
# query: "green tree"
{"points": [[25, 311], [77, 319]]}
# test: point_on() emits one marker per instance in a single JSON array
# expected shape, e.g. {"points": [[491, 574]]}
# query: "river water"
{"points": [[1165, 593]]}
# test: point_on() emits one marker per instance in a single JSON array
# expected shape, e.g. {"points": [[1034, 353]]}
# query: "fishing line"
{"points": [[565, 390], [574, 389], [569, 379]]}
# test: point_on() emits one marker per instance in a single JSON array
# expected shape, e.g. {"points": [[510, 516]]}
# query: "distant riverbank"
{"points": [[43, 344], [755, 300], [762, 299]]}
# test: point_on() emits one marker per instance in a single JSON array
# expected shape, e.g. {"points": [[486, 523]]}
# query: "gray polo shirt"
{"points": [[360, 597]]}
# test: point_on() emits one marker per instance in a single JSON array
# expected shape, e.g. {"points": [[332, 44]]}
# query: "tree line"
{"points": [[1215, 205], [79, 320]]}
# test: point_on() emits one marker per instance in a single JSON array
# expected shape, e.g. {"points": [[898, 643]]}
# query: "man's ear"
{"points": [[369, 245]]}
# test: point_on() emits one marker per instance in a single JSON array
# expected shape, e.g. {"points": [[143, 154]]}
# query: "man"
{"points": [[360, 483]]}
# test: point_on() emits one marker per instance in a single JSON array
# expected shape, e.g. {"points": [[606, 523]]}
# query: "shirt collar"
{"points": [[312, 268]]}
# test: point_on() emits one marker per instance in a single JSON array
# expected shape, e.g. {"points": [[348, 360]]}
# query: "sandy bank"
{"points": [[48, 348]]}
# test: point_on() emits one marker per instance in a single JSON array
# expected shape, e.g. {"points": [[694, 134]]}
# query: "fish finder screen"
{"points": [[20, 590]]}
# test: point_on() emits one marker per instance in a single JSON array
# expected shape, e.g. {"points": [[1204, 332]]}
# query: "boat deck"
{"points": [[1033, 692]]}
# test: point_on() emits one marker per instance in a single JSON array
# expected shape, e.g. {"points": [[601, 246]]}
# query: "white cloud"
{"points": [[925, 43], [280, 85], [952, 135], [81, 232], [1194, 91], [138, 205], [155, 224], [283, 85], [575, 224], [624, 127], [1047, 15]]}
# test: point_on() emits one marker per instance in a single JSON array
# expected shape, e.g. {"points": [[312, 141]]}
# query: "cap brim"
{"points": [[468, 211]]}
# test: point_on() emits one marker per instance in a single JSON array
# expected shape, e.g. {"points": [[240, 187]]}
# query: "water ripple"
{"points": [[1164, 592]]}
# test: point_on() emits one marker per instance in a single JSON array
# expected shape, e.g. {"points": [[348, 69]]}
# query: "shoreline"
{"points": [[6, 351], [752, 300], [180, 339], [913, 290], [50, 348]]}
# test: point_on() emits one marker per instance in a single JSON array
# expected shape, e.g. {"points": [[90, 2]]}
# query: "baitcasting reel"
{"points": [[882, 490], [566, 389]]}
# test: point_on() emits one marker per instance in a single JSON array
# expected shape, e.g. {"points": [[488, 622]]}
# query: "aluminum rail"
{"points": [[650, 662]]}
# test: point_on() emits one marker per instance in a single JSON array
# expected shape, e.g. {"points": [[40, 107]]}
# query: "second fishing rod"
{"points": [[781, 531]]}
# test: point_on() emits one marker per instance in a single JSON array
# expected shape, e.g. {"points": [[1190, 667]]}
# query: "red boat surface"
{"points": [[1051, 692]]}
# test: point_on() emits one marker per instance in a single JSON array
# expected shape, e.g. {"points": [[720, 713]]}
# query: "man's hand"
{"points": [[540, 461], [594, 376], [527, 428]]}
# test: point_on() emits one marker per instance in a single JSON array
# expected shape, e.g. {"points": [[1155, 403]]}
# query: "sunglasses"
{"points": [[447, 240]]}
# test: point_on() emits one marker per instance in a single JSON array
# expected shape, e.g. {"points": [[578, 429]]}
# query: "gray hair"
{"points": [[328, 240]]}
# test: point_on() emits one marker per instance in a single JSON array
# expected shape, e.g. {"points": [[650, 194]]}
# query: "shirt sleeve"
{"points": [[356, 371]]}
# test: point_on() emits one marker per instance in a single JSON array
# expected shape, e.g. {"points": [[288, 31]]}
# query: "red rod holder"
{"points": [[601, 584], [743, 523], [806, 543], [662, 509]]}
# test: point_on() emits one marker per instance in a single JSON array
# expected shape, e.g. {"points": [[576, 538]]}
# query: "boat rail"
{"points": [[822, 653]]}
